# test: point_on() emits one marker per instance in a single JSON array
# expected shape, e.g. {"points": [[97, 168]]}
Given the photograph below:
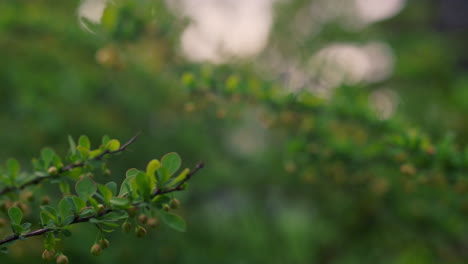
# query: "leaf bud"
{"points": [[143, 219], [29, 196], [52, 171], [96, 250], [62, 259], [166, 207], [48, 255], [100, 208], [175, 204], [126, 227], [140, 231], [153, 223], [107, 172], [104, 243], [132, 211], [45, 200]]}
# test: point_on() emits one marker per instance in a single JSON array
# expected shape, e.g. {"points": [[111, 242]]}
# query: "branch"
{"points": [[179, 187], [77, 220], [69, 167]]}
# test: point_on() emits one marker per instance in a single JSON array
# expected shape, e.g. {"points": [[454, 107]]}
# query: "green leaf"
{"points": [[106, 193], [143, 184], [161, 199], [105, 140], [47, 155], [95, 153], [85, 188], [48, 216], [171, 162], [120, 202], [125, 188], [68, 220], [113, 187], [79, 203], [181, 176], [84, 152], [26, 227], [94, 203], [15, 214], [151, 169], [163, 176], [131, 172], [72, 145], [84, 142], [87, 212], [114, 216], [113, 145], [49, 241], [17, 229], [13, 168], [64, 187], [173, 221], [45, 218], [66, 208]]}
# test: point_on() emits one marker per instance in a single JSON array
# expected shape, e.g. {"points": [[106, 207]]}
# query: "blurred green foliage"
{"points": [[289, 178]]}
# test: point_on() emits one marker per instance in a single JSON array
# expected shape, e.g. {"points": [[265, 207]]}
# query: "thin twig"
{"points": [[69, 167]]}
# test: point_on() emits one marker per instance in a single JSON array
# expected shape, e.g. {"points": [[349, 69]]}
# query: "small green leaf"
{"points": [[87, 212], [113, 187], [26, 227], [68, 220], [120, 202], [181, 176], [171, 162], [143, 184], [114, 216], [113, 145], [106, 193], [105, 140], [85, 188], [64, 187], [84, 142], [72, 145], [79, 203], [173, 221], [132, 172], [153, 166], [163, 176], [48, 216], [151, 169], [13, 168], [15, 214], [126, 185], [66, 208], [45, 218], [95, 153], [17, 229], [49, 241], [84, 152], [47, 155]]}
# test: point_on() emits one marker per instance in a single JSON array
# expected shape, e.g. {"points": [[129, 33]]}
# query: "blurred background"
{"points": [[214, 80]]}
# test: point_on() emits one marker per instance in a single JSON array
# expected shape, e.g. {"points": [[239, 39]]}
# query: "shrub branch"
{"points": [[67, 168], [77, 220]]}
